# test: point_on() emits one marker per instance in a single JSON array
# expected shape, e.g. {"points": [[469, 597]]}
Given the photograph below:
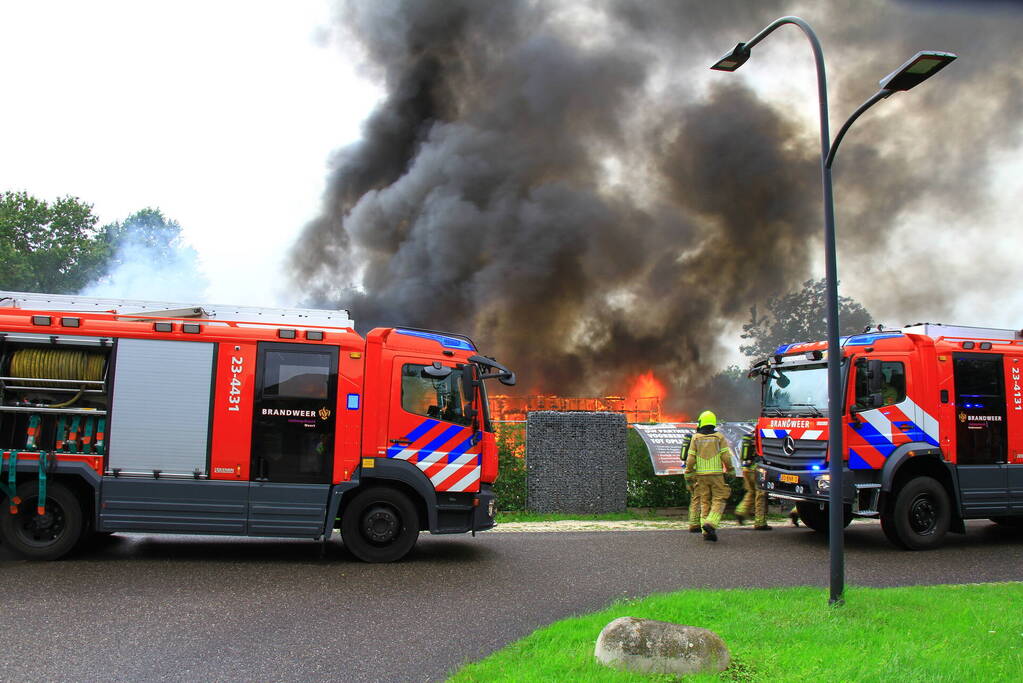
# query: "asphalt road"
{"points": [[175, 608]]}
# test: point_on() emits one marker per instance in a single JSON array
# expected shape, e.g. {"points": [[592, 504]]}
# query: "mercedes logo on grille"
{"points": [[789, 445]]}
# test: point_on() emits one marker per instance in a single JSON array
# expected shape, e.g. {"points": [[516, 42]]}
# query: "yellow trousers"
{"points": [[754, 501], [694, 504], [713, 494]]}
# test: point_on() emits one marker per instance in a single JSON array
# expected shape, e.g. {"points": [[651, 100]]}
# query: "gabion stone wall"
{"points": [[576, 462]]}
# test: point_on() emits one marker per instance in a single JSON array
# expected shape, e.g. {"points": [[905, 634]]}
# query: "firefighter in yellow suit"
{"points": [[755, 500], [710, 459], [694, 500]]}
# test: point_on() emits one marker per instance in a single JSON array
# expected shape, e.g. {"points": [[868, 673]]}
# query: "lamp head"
{"points": [[733, 60], [918, 69]]}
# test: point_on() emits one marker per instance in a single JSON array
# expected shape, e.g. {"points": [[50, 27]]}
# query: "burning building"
{"points": [[643, 402], [514, 408]]}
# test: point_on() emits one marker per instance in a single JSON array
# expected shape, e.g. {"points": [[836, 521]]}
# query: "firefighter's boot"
{"points": [[794, 516], [709, 534], [762, 527]]}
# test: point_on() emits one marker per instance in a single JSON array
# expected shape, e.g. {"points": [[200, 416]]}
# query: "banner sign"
{"points": [[664, 442]]}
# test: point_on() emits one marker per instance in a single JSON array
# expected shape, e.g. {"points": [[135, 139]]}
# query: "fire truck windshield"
{"points": [[800, 390]]}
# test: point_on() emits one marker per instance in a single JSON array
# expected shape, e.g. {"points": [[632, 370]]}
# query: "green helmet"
{"points": [[707, 418]]}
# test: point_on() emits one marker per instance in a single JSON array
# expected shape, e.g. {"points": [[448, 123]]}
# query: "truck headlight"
{"points": [[823, 482]]}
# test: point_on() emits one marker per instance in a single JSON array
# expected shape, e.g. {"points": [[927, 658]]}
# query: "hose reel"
{"points": [[33, 367]]}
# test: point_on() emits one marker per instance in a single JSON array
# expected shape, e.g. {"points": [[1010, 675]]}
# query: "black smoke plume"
{"points": [[568, 184]]}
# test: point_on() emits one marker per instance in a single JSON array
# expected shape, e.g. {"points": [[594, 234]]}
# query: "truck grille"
{"points": [[807, 451]]}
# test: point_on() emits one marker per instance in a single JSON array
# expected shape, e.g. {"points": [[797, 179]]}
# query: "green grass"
{"points": [[921, 633]]}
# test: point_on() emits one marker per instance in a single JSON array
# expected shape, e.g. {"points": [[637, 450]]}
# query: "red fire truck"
{"points": [[932, 429], [137, 416]]}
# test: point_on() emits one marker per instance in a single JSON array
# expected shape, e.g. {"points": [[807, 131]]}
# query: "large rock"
{"points": [[660, 647]]}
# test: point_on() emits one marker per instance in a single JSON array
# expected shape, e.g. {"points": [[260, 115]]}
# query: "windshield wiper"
{"points": [[777, 411], [816, 411]]}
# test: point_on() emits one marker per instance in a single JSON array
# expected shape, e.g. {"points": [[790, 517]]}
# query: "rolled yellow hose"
{"points": [[56, 364]]}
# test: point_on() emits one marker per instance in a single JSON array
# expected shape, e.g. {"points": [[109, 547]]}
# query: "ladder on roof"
{"points": [[167, 309], [936, 330]]}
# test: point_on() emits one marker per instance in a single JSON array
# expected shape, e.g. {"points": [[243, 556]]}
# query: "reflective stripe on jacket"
{"points": [[709, 454]]}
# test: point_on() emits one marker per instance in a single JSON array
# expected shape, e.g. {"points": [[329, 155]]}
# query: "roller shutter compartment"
{"points": [[161, 407]]}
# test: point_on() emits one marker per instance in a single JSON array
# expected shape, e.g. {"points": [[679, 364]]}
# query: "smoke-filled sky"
{"points": [[563, 180], [569, 184]]}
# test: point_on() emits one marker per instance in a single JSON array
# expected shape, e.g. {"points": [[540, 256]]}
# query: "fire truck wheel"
{"points": [[48, 536], [815, 516], [888, 527], [380, 525], [921, 515]]}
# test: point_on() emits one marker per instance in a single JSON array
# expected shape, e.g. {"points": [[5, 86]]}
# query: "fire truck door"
{"points": [[981, 434], [429, 426], [292, 439]]}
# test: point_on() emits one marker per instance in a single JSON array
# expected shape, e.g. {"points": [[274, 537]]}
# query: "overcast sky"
{"points": [[225, 114], [221, 114]]}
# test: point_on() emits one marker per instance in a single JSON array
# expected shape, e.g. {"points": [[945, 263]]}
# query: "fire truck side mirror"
{"points": [[874, 376], [468, 383], [503, 374]]}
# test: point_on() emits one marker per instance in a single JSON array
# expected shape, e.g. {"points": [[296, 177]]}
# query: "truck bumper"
{"points": [[483, 516], [861, 489], [800, 485], [462, 512]]}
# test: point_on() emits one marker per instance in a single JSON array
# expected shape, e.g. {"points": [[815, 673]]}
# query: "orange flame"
{"points": [[642, 403], [647, 386]]}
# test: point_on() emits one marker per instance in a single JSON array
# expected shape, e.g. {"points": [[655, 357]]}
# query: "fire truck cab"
{"points": [[932, 429], [150, 417]]}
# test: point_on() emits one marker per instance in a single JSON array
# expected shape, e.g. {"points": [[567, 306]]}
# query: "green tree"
{"points": [[148, 230], [799, 317], [48, 247]]}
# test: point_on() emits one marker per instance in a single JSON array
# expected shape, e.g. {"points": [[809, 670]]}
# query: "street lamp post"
{"points": [[919, 68]]}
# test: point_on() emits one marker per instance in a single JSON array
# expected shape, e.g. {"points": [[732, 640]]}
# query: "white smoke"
{"points": [[142, 268]]}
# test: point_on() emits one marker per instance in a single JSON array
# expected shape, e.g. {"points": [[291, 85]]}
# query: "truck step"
{"points": [[866, 502]]}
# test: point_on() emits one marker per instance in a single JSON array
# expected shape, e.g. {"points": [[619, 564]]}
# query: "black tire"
{"points": [[43, 537], [888, 527], [380, 525], [920, 516], [815, 516], [1009, 522]]}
